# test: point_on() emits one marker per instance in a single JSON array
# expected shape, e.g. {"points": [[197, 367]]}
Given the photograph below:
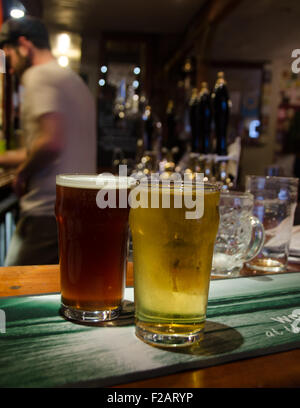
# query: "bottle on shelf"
{"points": [[149, 129], [118, 157], [220, 98], [193, 113], [171, 125], [139, 150], [204, 119]]}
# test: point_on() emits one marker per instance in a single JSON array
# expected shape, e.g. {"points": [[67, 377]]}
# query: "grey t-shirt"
{"points": [[51, 88]]}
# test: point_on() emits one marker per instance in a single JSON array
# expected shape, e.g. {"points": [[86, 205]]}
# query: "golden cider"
{"points": [[172, 265]]}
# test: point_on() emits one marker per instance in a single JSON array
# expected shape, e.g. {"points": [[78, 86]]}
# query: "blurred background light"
{"points": [[63, 61], [63, 43], [17, 12]]}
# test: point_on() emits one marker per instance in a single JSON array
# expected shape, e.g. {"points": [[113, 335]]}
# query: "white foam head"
{"points": [[90, 181]]}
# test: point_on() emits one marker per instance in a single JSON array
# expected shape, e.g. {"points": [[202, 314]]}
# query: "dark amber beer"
{"points": [[93, 248]]}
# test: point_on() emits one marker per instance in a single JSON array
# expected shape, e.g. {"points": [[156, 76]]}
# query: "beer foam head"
{"points": [[105, 181]]}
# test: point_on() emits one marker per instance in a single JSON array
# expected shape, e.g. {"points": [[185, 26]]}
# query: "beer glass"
{"points": [[275, 201], [172, 257], [240, 236], [93, 233]]}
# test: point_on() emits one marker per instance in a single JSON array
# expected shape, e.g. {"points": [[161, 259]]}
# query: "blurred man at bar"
{"points": [[58, 121]]}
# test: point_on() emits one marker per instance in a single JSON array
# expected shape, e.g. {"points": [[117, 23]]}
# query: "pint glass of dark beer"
{"points": [[92, 218]]}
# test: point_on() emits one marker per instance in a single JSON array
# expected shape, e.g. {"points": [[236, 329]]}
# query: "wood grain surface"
{"points": [[275, 370], [28, 280]]}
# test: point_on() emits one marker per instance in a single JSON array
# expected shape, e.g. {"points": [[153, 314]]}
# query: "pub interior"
{"points": [[186, 87]]}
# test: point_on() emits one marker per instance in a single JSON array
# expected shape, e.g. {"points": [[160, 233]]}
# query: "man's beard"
{"points": [[23, 64]]}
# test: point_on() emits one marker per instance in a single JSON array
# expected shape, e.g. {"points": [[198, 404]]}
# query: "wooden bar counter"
{"points": [[274, 370]]}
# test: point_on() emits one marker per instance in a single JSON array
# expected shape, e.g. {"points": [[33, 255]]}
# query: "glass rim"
{"points": [[94, 181], [179, 184], [275, 178], [110, 181], [237, 194]]}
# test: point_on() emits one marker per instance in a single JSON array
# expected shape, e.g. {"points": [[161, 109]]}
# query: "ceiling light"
{"points": [[17, 13], [63, 61], [137, 70], [101, 82], [63, 43], [104, 69]]}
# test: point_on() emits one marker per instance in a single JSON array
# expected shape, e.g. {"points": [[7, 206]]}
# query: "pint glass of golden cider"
{"points": [[93, 238], [172, 255]]}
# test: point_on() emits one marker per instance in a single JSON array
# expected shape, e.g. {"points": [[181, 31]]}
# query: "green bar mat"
{"points": [[246, 317]]}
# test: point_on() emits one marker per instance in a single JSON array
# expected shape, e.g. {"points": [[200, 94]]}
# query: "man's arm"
{"points": [[46, 148], [13, 158]]}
